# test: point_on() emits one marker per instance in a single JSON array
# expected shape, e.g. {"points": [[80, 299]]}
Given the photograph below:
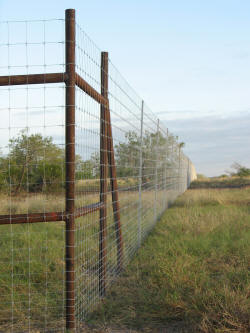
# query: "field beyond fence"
{"points": [[192, 272], [86, 170]]}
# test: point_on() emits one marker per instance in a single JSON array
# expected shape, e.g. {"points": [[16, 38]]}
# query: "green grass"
{"points": [[192, 271], [32, 281], [221, 182]]}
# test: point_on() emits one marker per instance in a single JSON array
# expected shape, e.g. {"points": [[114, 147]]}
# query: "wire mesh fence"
{"points": [[79, 146]]}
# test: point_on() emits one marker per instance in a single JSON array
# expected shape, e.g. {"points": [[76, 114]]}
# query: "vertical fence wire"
{"points": [[140, 178], [32, 167], [121, 162]]}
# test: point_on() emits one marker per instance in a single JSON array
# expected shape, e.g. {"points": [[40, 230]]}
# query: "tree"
{"points": [[182, 144], [241, 170], [88, 169], [34, 163], [157, 150]]}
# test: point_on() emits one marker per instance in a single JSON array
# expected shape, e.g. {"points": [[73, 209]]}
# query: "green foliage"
{"points": [[223, 176], [154, 147], [34, 164], [241, 170], [201, 176], [89, 169]]}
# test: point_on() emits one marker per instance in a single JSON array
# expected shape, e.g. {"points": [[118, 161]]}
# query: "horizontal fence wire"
{"points": [[32, 168], [151, 171], [128, 170]]}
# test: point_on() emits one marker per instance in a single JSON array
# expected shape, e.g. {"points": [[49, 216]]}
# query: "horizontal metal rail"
{"points": [[14, 80], [48, 217], [88, 209], [32, 218], [82, 84]]}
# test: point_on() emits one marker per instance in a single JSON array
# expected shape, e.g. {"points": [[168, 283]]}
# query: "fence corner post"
{"points": [[70, 167]]}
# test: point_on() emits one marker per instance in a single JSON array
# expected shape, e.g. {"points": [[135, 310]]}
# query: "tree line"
{"points": [[35, 164]]}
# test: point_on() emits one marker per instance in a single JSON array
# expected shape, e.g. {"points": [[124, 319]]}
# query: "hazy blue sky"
{"points": [[189, 60]]}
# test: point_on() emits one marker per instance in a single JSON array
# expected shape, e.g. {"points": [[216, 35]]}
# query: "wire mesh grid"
{"points": [[151, 171], [31, 177], [128, 170]]}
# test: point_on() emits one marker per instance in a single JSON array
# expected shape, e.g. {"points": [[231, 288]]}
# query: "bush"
{"points": [[241, 170]]}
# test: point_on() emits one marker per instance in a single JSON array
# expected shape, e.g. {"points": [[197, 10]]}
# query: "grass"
{"points": [[191, 274], [93, 185], [32, 257], [221, 182]]}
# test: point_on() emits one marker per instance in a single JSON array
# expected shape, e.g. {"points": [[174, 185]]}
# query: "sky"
{"points": [[189, 60]]}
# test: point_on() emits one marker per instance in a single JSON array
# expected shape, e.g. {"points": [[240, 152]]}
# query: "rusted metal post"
{"points": [[70, 166], [113, 183], [115, 197], [103, 179]]}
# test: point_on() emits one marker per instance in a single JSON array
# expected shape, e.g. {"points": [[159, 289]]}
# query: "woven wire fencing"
{"points": [[86, 170]]}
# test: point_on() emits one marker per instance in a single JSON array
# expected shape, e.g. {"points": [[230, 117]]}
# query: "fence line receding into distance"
{"points": [[79, 146]]}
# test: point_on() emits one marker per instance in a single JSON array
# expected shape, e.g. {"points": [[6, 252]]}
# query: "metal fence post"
{"points": [[140, 179], [173, 176], [103, 178], [70, 166], [113, 183], [179, 169], [156, 171]]}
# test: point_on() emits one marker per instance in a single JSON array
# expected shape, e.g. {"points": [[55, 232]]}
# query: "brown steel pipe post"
{"points": [[103, 179], [113, 182], [70, 166], [115, 198]]}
